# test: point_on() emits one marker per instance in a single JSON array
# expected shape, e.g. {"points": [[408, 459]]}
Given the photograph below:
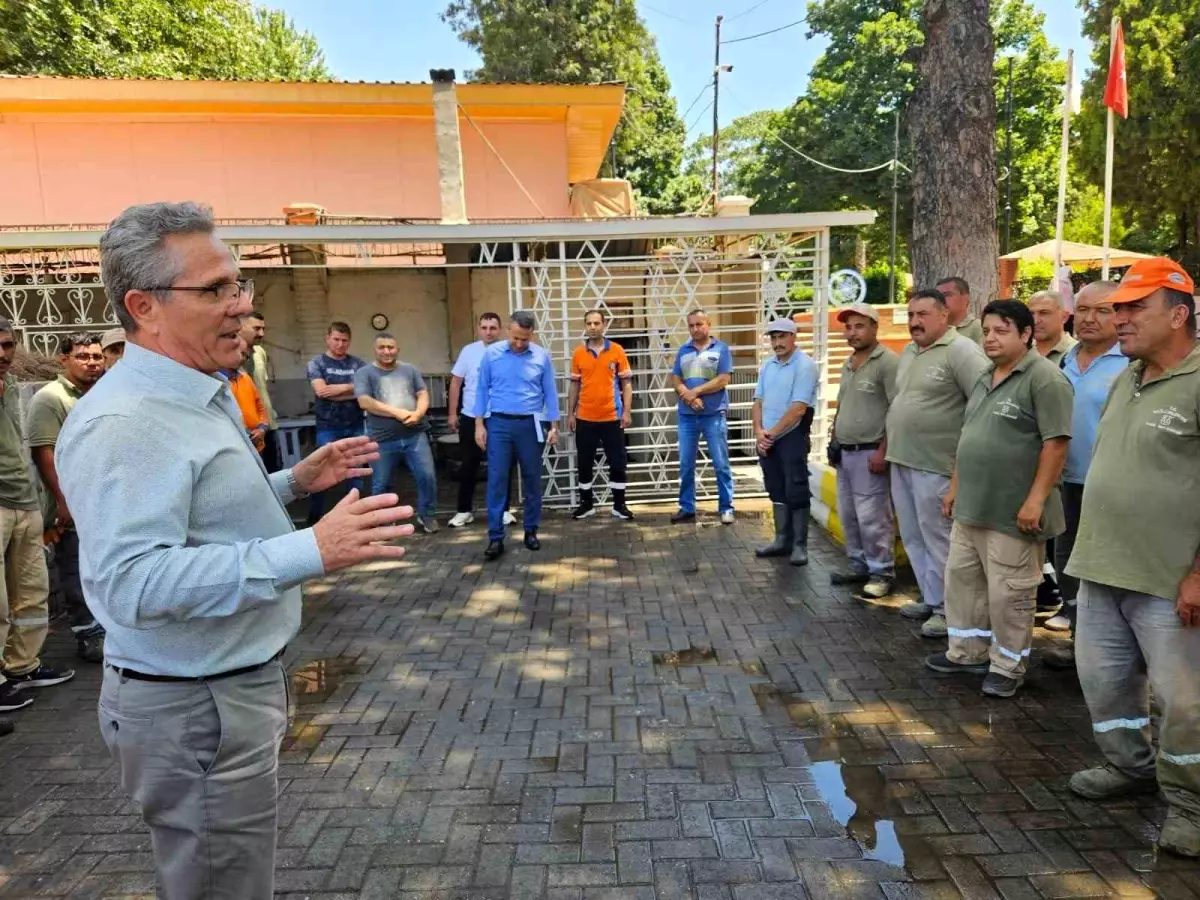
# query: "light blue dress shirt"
{"points": [[1091, 393], [187, 555], [519, 384], [782, 384]]}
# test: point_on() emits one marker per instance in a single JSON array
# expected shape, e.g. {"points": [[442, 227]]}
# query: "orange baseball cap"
{"points": [[1148, 275]]}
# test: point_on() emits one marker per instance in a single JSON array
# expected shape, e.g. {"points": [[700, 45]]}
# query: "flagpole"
{"points": [[1062, 164], [1108, 155]]}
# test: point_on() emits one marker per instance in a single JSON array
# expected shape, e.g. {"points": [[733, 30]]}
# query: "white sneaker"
{"points": [[1057, 623], [461, 519], [509, 518], [728, 517]]}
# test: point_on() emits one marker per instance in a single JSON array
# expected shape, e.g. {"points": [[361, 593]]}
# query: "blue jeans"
{"points": [[716, 438], [506, 439], [316, 507], [418, 456]]}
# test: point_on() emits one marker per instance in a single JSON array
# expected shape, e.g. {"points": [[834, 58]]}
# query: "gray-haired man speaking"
{"points": [[188, 555]]}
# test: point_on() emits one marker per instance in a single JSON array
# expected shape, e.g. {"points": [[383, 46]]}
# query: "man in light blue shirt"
{"points": [[1091, 366], [783, 412], [703, 367], [188, 556], [516, 392]]}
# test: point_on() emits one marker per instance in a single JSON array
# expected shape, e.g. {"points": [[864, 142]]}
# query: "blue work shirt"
{"points": [[187, 554], [782, 384], [518, 384], [1091, 393], [695, 367]]}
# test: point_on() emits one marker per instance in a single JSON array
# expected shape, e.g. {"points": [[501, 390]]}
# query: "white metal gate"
{"points": [[741, 281]]}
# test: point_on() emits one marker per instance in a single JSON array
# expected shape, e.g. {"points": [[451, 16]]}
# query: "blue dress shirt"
{"points": [[1091, 393], [187, 554], [782, 384], [518, 384]]}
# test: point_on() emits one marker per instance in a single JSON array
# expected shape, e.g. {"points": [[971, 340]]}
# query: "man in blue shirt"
{"points": [[188, 556], [337, 412], [701, 373], [516, 391], [783, 414], [1091, 366]]}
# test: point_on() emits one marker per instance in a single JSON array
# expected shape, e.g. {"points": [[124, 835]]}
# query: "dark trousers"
{"points": [[270, 453], [469, 458], [588, 437], [1072, 500], [65, 580], [785, 470], [512, 438]]}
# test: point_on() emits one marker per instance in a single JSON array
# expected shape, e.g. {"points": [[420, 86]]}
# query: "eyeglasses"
{"points": [[88, 357], [226, 291]]}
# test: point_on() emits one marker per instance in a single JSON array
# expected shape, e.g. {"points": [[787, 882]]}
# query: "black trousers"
{"points": [[469, 457], [1072, 500], [785, 469], [591, 435], [270, 452]]}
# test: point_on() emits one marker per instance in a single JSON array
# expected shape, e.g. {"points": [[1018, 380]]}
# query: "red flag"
{"points": [[1116, 92]]}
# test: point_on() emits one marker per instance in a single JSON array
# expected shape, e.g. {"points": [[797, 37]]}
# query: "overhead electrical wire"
{"points": [[751, 37], [707, 87], [746, 12]]}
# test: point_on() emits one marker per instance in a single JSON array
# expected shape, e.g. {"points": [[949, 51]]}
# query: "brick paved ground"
{"points": [[637, 711]]}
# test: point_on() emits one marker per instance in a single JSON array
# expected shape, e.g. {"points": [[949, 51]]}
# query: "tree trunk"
{"points": [[952, 125]]}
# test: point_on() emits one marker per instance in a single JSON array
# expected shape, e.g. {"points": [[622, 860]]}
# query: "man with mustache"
{"points": [[1137, 557], [937, 373]]}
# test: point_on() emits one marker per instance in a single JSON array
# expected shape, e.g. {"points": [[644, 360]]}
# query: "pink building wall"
{"points": [[71, 169]]}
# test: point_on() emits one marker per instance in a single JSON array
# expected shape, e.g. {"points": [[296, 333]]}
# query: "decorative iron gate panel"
{"points": [[741, 282]]}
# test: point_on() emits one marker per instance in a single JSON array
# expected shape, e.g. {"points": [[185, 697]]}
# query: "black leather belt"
{"points": [[177, 679], [851, 448], [512, 415]]}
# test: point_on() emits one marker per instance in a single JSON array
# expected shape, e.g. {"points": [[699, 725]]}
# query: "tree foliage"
{"points": [[1156, 172], [739, 158], [867, 74], [582, 42], [202, 39]]}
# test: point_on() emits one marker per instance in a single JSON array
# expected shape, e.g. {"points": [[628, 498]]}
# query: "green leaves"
{"points": [[201, 39], [581, 42]]}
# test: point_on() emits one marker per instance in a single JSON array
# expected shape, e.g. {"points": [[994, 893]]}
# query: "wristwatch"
{"points": [[294, 486]]}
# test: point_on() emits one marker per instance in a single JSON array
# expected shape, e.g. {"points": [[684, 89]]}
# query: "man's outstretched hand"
{"points": [[355, 530], [334, 463]]}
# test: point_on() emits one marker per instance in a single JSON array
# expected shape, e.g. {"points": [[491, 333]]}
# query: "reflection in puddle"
{"points": [[317, 679], [856, 795], [692, 656]]}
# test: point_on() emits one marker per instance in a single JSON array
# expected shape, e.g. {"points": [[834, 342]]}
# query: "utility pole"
{"points": [[895, 210], [1008, 177], [716, 92]]}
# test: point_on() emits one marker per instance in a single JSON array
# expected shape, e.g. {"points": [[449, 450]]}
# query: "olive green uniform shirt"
{"points": [[970, 327], [925, 419], [864, 396], [1002, 437], [44, 420], [17, 490], [1061, 349], [1140, 525]]}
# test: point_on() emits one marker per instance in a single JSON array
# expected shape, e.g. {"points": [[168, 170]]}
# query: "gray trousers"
{"points": [[1126, 643], [202, 759], [865, 511], [917, 496]]}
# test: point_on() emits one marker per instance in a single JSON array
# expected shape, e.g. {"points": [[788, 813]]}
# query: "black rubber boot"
{"points": [[782, 545], [800, 530]]}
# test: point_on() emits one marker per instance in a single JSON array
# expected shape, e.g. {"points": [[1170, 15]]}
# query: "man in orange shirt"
{"points": [[249, 401], [599, 409]]}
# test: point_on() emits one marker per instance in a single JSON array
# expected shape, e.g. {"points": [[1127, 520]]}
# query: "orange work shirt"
{"points": [[249, 401], [599, 377]]}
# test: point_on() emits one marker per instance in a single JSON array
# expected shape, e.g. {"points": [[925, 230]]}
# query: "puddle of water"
{"points": [[692, 656], [856, 795], [317, 679]]}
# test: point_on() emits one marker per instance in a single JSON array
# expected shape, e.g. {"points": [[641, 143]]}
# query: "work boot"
{"points": [[800, 529], [782, 545], [915, 609], [1106, 782], [934, 626], [587, 505], [940, 662], [1059, 657], [878, 587], [849, 578], [1180, 832], [997, 684]]}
